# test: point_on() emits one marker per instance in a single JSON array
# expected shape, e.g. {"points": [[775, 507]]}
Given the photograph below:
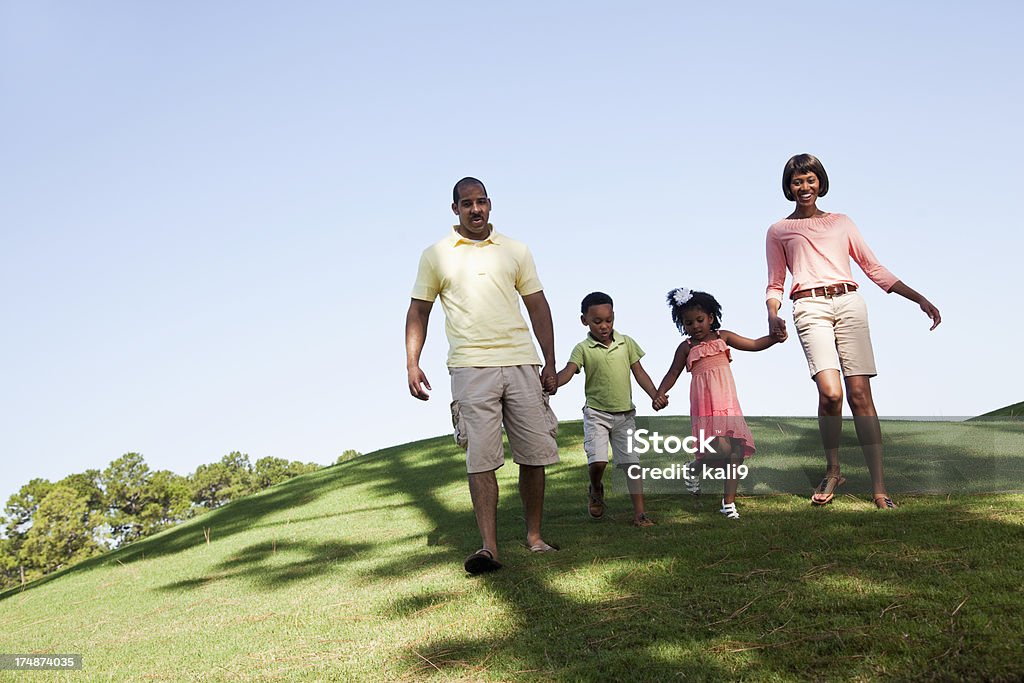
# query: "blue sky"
{"points": [[211, 213]]}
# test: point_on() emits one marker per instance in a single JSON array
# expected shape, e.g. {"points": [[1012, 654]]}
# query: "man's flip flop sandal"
{"points": [[481, 561]]}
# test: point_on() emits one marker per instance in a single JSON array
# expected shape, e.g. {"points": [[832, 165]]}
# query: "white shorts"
{"points": [[600, 428]]}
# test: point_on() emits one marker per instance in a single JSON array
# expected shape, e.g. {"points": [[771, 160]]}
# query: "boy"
{"points": [[608, 357]]}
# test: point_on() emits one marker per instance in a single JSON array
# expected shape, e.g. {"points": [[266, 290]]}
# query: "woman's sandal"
{"points": [[729, 510], [827, 488], [883, 502]]}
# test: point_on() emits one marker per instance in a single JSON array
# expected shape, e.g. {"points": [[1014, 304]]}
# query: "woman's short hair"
{"points": [[804, 163]]}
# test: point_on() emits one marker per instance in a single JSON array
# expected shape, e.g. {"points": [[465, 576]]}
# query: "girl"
{"points": [[830, 316], [714, 407]]}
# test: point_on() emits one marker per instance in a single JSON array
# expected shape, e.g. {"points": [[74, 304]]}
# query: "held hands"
{"points": [[777, 329], [549, 380], [660, 401], [417, 380]]}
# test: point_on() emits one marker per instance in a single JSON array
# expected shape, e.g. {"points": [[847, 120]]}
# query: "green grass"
{"points": [[1016, 410], [354, 573]]}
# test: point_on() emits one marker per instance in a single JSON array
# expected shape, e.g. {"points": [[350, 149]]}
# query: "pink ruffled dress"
{"points": [[714, 406]]}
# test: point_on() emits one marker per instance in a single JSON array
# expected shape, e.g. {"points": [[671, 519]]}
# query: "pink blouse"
{"points": [[817, 251]]}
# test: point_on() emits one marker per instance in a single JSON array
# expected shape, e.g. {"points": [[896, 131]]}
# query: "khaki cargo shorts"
{"points": [[834, 333], [485, 399]]}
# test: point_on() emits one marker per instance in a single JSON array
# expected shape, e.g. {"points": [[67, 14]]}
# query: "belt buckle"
{"points": [[828, 292]]}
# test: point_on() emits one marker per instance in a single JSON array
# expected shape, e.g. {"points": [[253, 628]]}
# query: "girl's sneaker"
{"points": [[693, 481], [729, 510]]}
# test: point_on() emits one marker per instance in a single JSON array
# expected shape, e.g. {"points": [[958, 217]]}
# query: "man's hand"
{"points": [[415, 334], [660, 401], [932, 312], [548, 379], [417, 380], [540, 318]]}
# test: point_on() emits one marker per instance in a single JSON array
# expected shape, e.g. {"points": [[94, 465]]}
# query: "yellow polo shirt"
{"points": [[480, 284]]}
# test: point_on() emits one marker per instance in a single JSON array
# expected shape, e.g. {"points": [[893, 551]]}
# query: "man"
{"points": [[479, 275]]}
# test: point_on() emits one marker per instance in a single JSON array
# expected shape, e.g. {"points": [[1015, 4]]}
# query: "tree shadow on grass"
{"points": [[274, 565], [696, 597], [708, 601], [703, 598], [236, 517], [239, 516], [554, 626]]}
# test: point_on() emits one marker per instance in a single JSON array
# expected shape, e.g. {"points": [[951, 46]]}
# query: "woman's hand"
{"points": [[906, 292], [777, 328]]}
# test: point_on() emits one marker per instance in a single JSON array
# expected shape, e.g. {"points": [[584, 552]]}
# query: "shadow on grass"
{"points": [[856, 594], [272, 565], [858, 597], [928, 592], [239, 516]]}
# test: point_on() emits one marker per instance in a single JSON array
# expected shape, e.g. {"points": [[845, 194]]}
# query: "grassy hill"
{"points": [[1016, 410], [354, 573]]}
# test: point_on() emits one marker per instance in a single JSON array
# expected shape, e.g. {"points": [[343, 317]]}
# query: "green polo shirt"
{"points": [[609, 386]]}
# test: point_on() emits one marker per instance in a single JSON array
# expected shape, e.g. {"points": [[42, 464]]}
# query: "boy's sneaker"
{"points": [[595, 505], [693, 481], [643, 521]]}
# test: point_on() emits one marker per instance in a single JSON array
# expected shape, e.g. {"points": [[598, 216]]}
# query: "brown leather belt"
{"points": [[826, 291]]}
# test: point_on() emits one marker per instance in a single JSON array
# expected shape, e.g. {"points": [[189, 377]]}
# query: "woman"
{"points": [[830, 316]]}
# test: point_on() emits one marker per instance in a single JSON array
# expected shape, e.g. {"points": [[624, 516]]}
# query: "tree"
{"points": [[19, 513], [270, 471], [347, 455], [126, 480], [219, 483], [167, 501], [57, 536], [9, 564], [88, 484], [22, 505], [295, 468]]}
